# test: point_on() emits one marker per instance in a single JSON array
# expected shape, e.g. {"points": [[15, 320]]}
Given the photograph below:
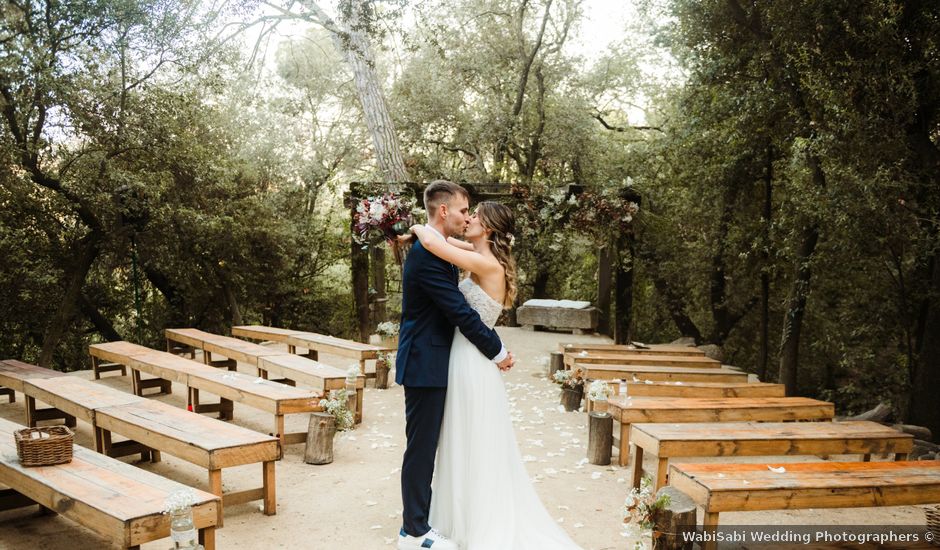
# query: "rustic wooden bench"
{"points": [[121, 503], [632, 410], [14, 373], [231, 387], [652, 349], [315, 344], [661, 374], [750, 487], [732, 439], [293, 368], [649, 388], [609, 358], [153, 427]]}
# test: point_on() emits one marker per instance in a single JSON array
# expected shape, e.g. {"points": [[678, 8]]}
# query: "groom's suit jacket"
{"points": [[431, 307]]}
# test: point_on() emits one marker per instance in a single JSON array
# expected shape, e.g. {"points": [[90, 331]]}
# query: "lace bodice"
{"points": [[481, 302]]}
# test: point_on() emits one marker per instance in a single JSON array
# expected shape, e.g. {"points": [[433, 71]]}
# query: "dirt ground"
{"points": [[355, 501]]}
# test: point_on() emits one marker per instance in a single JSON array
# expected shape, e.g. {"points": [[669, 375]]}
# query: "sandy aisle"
{"points": [[355, 501]]}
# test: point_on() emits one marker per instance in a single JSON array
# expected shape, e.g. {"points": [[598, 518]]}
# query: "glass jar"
{"points": [[182, 530]]}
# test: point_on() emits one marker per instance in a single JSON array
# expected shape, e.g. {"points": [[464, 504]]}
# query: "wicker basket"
{"points": [[933, 524], [44, 446]]}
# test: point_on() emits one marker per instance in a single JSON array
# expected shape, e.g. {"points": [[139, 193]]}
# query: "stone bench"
{"points": [[578, 317]]}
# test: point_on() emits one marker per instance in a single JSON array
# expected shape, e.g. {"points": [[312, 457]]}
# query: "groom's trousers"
{"points": [[424, 412]]}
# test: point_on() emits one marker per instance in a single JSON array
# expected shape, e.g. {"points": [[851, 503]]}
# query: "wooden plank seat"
{"points": [[625, 358], [661, 374], [315, 344], [631, 410], [648, 388], [651, 349], [138, 384], [702, 389], [751, 487], [119, 502], [13, 374], [732, 439], [231, 387], [153, 427], [292, 368]]}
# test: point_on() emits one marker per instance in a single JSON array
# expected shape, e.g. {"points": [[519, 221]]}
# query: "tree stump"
{"points": [[381, 374], [677, 518], [556, 363], [571, 398], [320, 434], [600, 437], [351, 396]]}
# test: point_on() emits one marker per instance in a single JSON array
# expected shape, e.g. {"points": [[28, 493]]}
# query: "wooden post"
{"points": [[378, 283], [600, 437], [603, 289], [320, 434], [677, 518], [556, 363], [359, 265]]}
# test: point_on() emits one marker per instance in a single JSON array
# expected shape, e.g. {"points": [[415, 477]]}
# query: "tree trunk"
{"points": [[353, 43], [102, 324], [796, 310], [763, 360], [674, 302], [924, 410], [359, 262], [85, 256]]}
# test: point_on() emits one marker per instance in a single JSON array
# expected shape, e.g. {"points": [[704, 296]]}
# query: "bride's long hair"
{"points": [[499, 219]]}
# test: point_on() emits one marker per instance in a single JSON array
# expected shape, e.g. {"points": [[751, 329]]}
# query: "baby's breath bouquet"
{"points": [[639, 510], [387, 329], [569, 379], [337, 406], [599, 390]]}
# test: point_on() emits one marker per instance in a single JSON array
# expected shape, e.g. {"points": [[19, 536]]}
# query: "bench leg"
{"points": [[624, 458], [362, 367], [11, 395], [900, 456], [866, 457], [279, 429], [270, 504], [226, 409], [637, 466], [710, 526], [359, 394], [135, 383], [31, 411], [207, 538], [215, 482], [291, 348], [662, 470]]}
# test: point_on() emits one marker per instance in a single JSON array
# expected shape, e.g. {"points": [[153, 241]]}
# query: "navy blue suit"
{"points": [[431, 307]]}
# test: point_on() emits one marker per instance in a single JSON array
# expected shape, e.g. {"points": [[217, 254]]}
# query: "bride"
{"points": [[482, 497]]}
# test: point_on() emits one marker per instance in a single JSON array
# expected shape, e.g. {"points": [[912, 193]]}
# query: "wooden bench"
{"points": [[13, 374], [649, 388], [652, 349], [153, 427], [315, 344], [608, 358], [231, 387], [665, 441], [627, 411], [703, 389], [293, 368], [750, 487], [661, 374], [121, 503]]}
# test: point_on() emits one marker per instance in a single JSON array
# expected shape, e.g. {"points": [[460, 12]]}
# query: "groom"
{"points": [[431, 307]]}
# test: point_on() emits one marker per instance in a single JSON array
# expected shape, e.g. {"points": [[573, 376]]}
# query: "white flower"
{"points": [[376, 211]]}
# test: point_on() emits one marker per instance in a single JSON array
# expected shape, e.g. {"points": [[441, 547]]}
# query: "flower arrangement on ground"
{"points": [[572, 387], [639, 511], [338, 407], [599, 390]]}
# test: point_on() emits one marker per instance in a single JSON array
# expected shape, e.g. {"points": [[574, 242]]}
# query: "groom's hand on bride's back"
{"points": [[507, 363]]}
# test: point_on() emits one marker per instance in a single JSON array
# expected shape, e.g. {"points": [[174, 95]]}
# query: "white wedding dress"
{"points": [[482, 497]]}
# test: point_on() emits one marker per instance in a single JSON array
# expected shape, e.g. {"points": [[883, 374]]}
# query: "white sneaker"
{"points": [[432, 539]]}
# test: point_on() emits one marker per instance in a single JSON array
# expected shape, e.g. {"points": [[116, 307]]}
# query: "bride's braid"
{"points": [[499, 219]]}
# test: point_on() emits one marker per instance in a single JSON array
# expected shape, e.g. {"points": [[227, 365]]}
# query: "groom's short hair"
{"points": [[441, 191]]}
